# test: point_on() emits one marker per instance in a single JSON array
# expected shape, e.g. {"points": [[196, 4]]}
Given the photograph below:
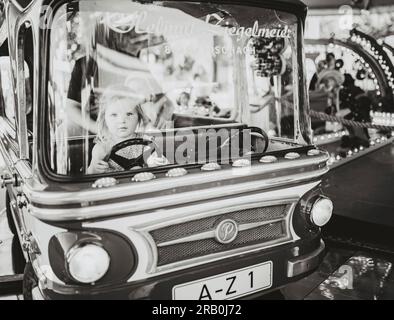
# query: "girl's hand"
{"points": [[97, 164], [101, 166], [155, 161]]}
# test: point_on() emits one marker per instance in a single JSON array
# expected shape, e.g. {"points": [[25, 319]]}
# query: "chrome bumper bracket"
{"points": [[305, 263]]}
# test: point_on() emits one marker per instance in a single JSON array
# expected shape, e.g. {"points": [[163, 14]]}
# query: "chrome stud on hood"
{"points": [[178, 172], [313, 152], [213, 166], [143, 176], [268, 159], [241, 163], [104, 183], [292, 156]]}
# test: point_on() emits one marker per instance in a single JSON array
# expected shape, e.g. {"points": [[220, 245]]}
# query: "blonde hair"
{"points": [[113, 94]]}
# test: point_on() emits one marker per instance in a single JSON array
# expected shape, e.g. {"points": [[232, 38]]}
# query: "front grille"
{"points": [[171, 253]]}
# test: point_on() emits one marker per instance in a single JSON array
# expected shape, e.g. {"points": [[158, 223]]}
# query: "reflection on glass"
{"points": [[171, 71], [342, 84], [7, 96]]}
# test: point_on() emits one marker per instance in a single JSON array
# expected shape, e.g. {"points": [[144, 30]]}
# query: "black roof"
{"points": [[333, 4], [293, 6], [296, 6]]}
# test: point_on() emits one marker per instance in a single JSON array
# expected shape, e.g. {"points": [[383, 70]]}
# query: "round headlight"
{"points": [[88, 263], [321, 211]]}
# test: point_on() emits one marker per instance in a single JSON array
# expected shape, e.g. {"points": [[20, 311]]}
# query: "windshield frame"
{"points": [[302, 125]]}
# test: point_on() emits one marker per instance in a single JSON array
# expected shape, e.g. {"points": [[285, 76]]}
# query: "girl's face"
{"points": [[121, 118], [184, 100]]}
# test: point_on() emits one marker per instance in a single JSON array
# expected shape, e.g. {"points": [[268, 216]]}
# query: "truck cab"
{"points": [[160, 149]]}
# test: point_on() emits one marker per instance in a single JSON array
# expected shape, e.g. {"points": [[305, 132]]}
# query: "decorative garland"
{"points": [[377, 51], [366, 125]]}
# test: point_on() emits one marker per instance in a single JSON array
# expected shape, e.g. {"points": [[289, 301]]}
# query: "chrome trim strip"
{"points": [[196, 237], [7, 132], [127, 207], [305, 263], [24, 169], [6, 127], [21, 91], [289, 218], [154, 257], [219, 256], [211, 234], [3, 32], [9, 157], [5, 155], [124, 190], [221, 207]]}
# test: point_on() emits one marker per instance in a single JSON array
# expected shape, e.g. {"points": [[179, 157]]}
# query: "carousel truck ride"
{"points": [[159, 149]]}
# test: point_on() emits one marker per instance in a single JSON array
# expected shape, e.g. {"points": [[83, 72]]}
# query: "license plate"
{"points": [[226, 286]]}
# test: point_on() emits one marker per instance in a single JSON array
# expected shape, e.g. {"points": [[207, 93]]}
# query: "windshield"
{"points": [[136, 85]]}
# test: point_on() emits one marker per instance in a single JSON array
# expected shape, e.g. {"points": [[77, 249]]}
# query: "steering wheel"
{"points": [[259, 141], [127, 160]]}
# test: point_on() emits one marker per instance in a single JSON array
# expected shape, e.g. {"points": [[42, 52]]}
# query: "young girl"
{"points": [[119, 119]]}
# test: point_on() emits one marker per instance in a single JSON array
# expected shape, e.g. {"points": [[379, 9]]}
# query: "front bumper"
{"points": [[305, 263], [286, 269]]}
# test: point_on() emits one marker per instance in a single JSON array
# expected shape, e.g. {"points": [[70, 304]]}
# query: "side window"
{"points": [[28, 60], [7, 100], [25, 75]]}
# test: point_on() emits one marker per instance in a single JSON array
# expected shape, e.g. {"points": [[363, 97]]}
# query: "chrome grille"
{"points": [[173, 252]]}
